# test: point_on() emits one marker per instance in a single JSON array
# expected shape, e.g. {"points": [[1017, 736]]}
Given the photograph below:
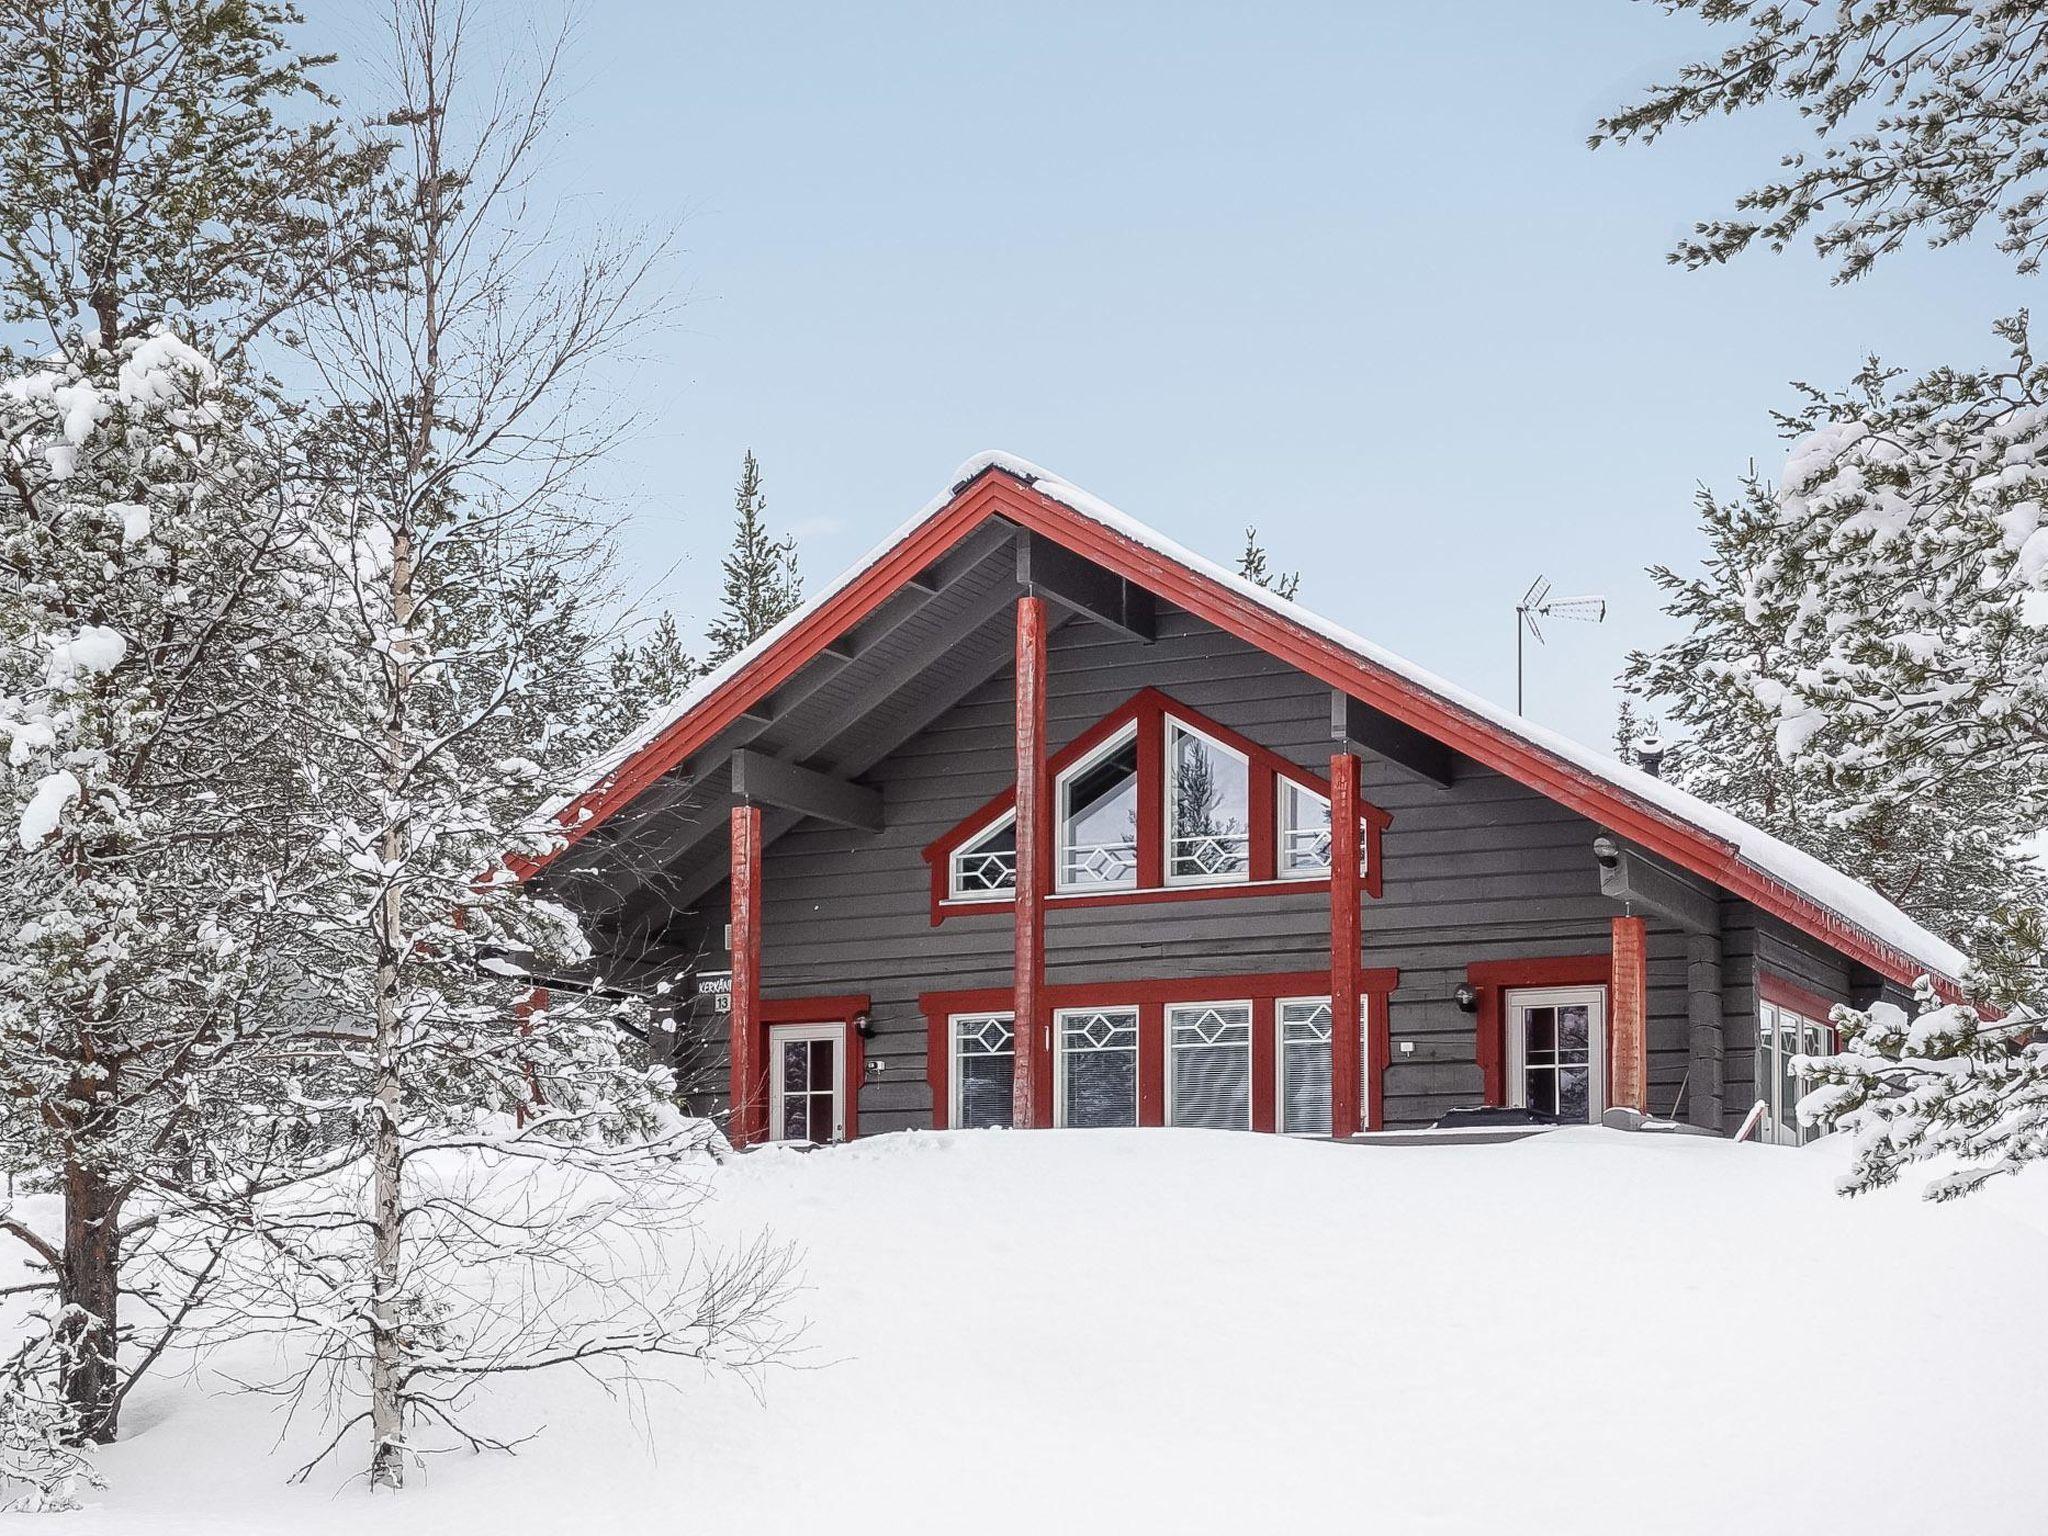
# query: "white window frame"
{"points": [[1061, 884], [966, 850], [1170, 723], [1251, 1022], [780, 1035], [953, 1055], [1280, 1006], [1283, 786], [1517, 1051], [1059, 1058], [1781, 1121]]}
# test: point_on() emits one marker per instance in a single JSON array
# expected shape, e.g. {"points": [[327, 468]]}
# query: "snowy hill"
{"points": [[1150, 1331]]}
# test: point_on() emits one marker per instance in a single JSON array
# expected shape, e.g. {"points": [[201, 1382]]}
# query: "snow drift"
{"points": [[1190, 1331]]}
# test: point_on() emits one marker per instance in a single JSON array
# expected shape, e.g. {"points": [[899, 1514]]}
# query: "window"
{"points": [[1155, 801], [1098, 818], [984, 1070], [1209, 1065], [1097, 1077], [985, 868], [1782, 1035], [1304, 1066], [1208, 809], [1304, 832]]}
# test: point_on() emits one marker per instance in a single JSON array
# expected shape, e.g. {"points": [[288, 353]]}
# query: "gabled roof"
{"points": [[1661, 817]]}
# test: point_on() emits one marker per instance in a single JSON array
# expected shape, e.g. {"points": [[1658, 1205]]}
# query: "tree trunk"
{"points": [[89, 1288], [387, 1408]]}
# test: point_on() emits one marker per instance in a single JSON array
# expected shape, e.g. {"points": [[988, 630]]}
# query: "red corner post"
{"points": [[1034, 846], [1347, 1068], [748, 1120], [1629, 992]]}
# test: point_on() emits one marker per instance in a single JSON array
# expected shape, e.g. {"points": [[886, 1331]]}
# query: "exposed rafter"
{"points": [[1050, 570], [758, 779], [1356, 724]]}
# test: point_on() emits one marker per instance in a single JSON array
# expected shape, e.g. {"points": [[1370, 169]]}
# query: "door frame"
{"points": [[1516, 1046], [783, 1034]]}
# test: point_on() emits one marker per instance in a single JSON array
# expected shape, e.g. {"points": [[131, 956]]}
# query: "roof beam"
{"points": [[1054, 572], [1629, 877], [758, 779], [1357, 724]]}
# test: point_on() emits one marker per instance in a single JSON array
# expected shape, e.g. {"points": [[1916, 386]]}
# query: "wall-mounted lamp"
{"points": [[1467, 997], [1606, 853], [864, 1026]]}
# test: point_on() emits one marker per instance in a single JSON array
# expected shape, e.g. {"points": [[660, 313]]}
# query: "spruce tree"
{"points": [[640, 679], [168, 181], [762, 586], [1255, 566]]}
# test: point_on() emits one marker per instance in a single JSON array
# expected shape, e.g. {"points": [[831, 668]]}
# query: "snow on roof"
{"points": [[1847, 898]]}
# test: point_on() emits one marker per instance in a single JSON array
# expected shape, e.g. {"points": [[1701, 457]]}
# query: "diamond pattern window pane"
{"points": [[984, 1049], [1098, 1065], [1099, 820], [1208, 800], [1305, 1067], [1209, 1055], [1304, 831], [988, 864]]}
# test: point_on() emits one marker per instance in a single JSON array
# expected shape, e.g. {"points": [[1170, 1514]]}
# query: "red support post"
{"points": [[747, 1122], [1034, 856], [1347, 1068], [1628, 1029]]}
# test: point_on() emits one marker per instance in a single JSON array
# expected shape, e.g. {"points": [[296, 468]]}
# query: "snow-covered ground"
{"points": [[1190, 1332]]}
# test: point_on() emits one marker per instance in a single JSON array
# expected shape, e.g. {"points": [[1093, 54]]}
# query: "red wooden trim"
{"points": [[938, 1063], [1492, 977], [1034, 848], [840, 1008], [1379, 1048], [996, 492], [747, 1119], [1265, 1064], [1151, 1063], [1150, 715], [1773, 988], [1147, 709], [1346, 1069], [1628, 1016]]}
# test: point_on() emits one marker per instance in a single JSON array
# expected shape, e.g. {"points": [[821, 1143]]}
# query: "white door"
{"points": [[1557, 1050], [806, 1082]]}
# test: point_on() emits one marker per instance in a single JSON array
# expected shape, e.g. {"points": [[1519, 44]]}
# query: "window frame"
{"points": [[1169, 724], [1327, 1004], [953, 1054], [1782, 1126], [1251, 1024], [966, 849], [1061, 1051], [1146, 717], [1599, 1047], [1126, 735]]}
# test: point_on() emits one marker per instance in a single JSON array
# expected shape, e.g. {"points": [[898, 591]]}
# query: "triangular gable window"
{"points": [[1156, 800]]}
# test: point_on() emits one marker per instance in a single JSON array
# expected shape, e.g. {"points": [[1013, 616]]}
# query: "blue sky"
{"points": [[1344, 271]]}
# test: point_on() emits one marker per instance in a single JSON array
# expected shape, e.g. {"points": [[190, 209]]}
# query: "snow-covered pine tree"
{"points": [[509, 1163], [1906, 562], [1256, 566], [762, 586], [1951, 860], [641, 679], [1931, 118], [167, 183]]}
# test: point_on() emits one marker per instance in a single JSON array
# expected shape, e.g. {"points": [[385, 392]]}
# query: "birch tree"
{"points": [[464, 591]]}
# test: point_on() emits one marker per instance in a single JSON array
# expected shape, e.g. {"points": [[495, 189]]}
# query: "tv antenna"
{"points": [[1537, 603]]}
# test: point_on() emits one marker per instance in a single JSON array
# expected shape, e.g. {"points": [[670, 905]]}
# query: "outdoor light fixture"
{"points": [[1537, 603], [1606, 853], [1467, 997], [864, 1026]]}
